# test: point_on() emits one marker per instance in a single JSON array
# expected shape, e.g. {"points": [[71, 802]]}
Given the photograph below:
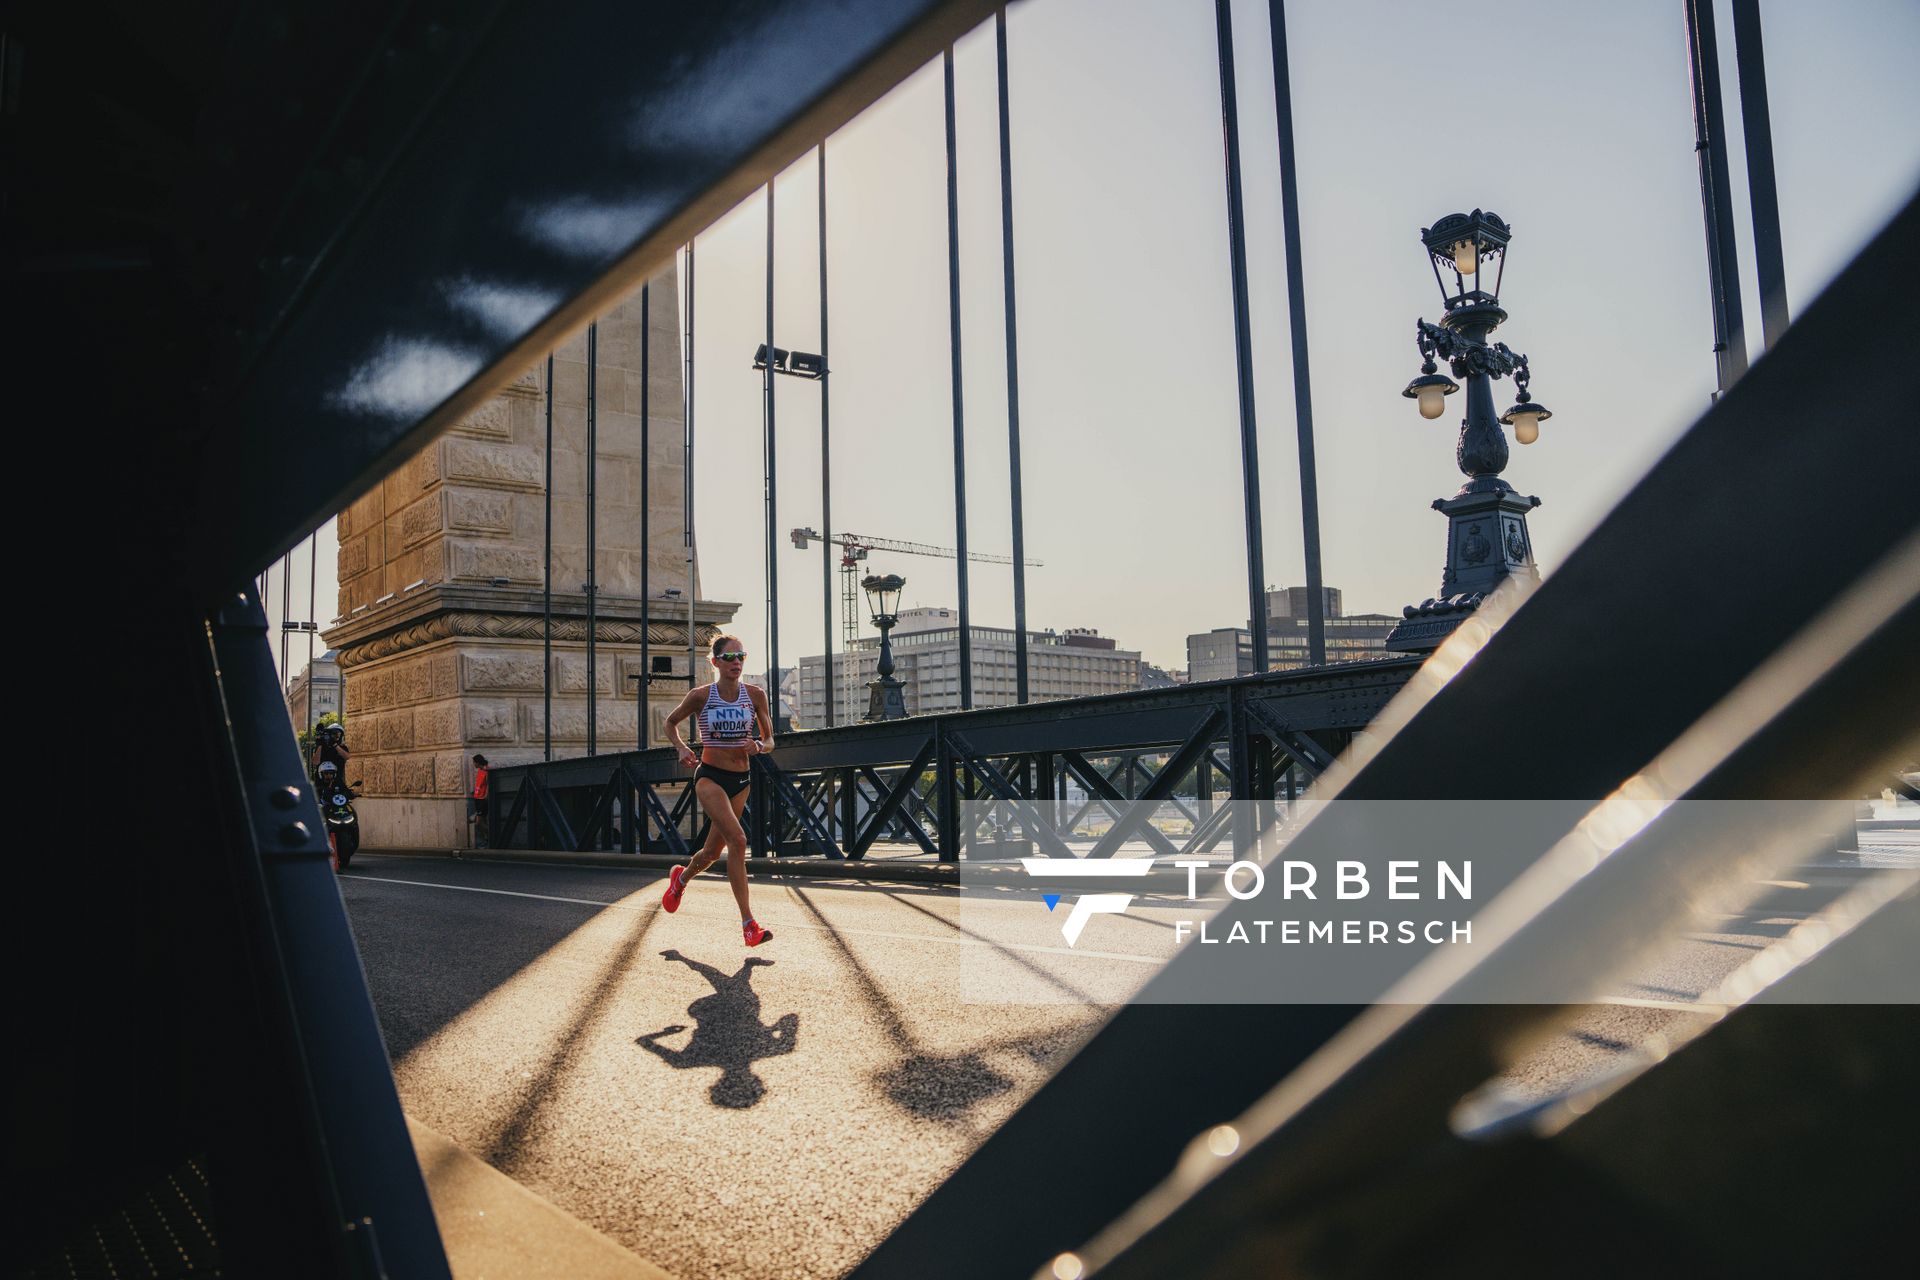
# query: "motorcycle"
{"points": [[336, 809]]}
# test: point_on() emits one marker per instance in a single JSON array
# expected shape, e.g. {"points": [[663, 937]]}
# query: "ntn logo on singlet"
{"points": [[728, 719]]}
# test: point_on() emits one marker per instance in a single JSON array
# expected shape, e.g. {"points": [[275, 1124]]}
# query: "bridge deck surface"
{"points": [[776, 1113]]}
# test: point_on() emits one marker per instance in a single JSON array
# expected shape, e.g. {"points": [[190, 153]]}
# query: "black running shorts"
{"points": [[731, 782]]}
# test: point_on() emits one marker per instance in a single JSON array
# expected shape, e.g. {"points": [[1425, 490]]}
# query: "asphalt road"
{"points": [[720, 1112], [774, 1113]]}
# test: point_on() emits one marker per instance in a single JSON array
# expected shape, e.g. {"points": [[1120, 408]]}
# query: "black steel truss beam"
{"points": [[894, 797], [1307, 753], [789, 800], [1134, 821], [668, 823], [907, 822], [1003, 789], [1101, 789]]}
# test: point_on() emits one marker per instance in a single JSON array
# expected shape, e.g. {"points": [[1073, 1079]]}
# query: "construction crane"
{"points": [[853, 549]]}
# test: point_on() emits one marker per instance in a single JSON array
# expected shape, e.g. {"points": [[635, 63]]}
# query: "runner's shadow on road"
{"points": [[727, 1033]]}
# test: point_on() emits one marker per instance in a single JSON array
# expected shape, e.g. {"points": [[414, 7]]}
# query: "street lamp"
{"points": [[797, 364], [769, 360], [659, 667], [885, 700], [1487, 536]]}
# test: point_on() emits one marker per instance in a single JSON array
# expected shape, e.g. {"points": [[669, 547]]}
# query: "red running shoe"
{"points": [[676, 885], [754, 934]]}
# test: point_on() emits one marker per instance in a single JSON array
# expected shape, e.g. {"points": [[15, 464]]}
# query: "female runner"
{"points": [[734, 726]]}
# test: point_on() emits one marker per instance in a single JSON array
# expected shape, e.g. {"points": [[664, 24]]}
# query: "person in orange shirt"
{"points": [[477, 804]]}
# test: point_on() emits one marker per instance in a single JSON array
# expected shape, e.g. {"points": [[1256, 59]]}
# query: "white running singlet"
{"points": [[726, 723]]}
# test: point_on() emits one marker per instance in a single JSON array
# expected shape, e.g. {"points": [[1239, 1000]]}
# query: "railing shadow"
{"points": [[946, 1088]]}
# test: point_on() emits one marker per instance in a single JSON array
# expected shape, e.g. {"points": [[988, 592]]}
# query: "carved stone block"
{"points": [[480, 510], [354, 559], [436, 724], [488, 422], [413, 682], [613, 723], [413, 775], [570, 673], [394, 730], [446, 674], [424, 563], [502, 465], [488, 721], [414, 477], [424, 519], [484, 561], [508, 671], [370, 510], [450, 774]]}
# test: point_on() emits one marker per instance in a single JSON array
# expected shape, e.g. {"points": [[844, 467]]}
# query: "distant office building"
{"points": [[1291, 602], [1220, 654], [315, 691], [1076, 663], [1226, 652], [1349, 639]]}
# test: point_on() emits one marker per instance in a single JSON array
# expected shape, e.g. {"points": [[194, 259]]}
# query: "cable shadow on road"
{"points": [[727, 1034], [505, 1147], [942, 1087], [431, 954]]}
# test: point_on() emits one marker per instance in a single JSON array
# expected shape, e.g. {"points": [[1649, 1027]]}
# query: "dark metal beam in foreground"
{"points": [[367, 1182], [1556, 677], [1833, 706], [403, 317]]}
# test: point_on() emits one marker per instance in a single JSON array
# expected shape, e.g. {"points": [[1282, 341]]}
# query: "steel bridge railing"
{"points": [[836, 793]]}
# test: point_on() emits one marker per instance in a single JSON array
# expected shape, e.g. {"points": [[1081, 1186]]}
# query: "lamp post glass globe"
{"points": [[1430, 391], [1466, 260], [1525, 419]]}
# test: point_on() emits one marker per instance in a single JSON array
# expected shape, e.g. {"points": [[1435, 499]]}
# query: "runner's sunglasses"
{"points": [[732, 655]]}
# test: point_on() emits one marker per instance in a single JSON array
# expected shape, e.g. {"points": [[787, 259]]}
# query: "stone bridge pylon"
{"points": [[440, 628]]}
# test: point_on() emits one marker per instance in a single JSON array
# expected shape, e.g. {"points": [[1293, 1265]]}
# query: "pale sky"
{"points": [[1572, 121]]}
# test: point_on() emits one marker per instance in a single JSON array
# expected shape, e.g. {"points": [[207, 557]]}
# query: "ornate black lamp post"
{"points": [[885, 700], [1487, 538]]}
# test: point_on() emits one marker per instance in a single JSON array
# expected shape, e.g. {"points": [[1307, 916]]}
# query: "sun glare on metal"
{"points": [[407, 377]]}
